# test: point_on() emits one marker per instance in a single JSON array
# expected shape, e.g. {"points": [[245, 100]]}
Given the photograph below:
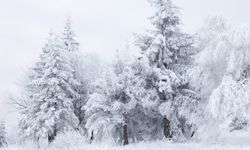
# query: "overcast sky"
{"points": [[102, 26]]}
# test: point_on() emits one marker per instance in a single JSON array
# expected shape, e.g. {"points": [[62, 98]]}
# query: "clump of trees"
{"points": [[175, 88]]}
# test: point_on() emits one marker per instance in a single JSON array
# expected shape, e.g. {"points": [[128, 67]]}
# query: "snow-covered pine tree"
{"points": [[50, 94], [3, 141], [68, 37], [71, 45], [168, 51]]}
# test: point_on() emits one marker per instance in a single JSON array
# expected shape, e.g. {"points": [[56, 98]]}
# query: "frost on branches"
{"points": [[50, 93], [169, 51]]}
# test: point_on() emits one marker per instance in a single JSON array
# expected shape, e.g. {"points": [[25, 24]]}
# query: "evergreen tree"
{"points": [[2, 134], [68, 37], [168, 51], [71, 45], [51, 94]]}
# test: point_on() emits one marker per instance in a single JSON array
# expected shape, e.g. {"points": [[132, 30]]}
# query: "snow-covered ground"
{"points": [[140, 146], [238, 140]]}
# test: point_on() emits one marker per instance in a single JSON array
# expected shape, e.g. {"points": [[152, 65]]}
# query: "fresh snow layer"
{"points": [[237, 140], [140, 146]]}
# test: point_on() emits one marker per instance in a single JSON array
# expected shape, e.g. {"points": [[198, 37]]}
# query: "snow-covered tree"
{"points": [[145, 120], [229, 104], [71, 45], [231, 98], [116, 108], [210, 62], [169, 51], [50, 93], [166, 46], [3, 141], [109, 104], [222, 73], [68, 37]]}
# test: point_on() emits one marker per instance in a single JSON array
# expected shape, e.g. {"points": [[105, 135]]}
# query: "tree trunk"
{"points": [[51, 137], [160, 59], [125, 134], [192, 134], [166, 128], [92, 136], [125, 131], [37, 143]]}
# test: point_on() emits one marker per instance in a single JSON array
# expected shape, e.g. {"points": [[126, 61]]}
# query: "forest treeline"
{"points": [[180, 87]]}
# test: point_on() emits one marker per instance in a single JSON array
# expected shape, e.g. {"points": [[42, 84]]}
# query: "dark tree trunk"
{"points": [[37, 143], [125, 131], [51, 137], [166, 128], [125, 134], [192, 134], [92, 136]]}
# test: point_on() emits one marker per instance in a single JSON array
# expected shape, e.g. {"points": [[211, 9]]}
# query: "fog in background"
{"points": [[101, 26]]}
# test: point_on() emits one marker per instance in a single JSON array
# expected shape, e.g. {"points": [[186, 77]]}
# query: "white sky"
{"points": [[102, 26]]}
